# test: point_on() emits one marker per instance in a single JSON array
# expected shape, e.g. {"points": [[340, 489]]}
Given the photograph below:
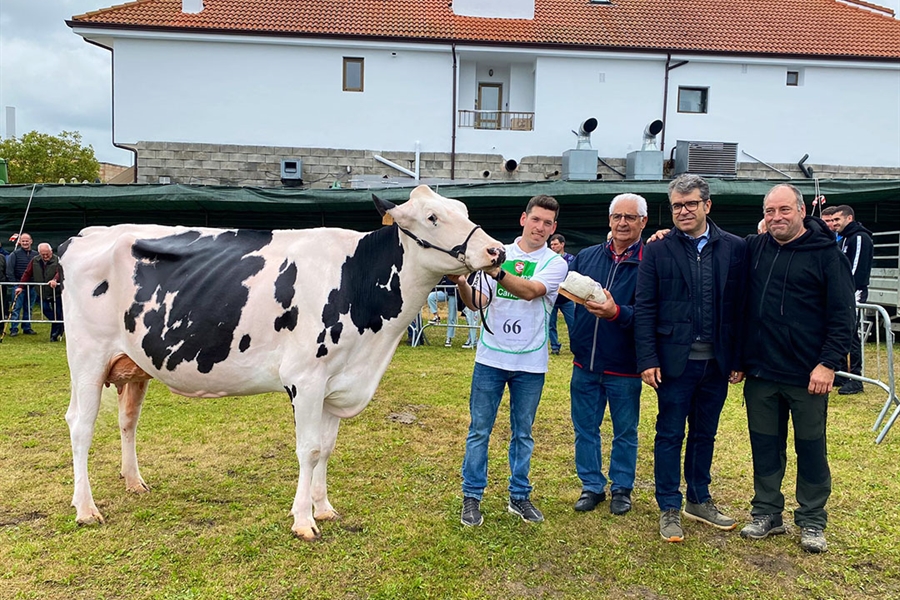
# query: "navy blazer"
{"points": [[663, 312]]}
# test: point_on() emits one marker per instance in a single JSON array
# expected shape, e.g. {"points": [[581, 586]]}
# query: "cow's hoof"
{"points": [[138, 488], [328, 515], [307, 534], [93, 518]]}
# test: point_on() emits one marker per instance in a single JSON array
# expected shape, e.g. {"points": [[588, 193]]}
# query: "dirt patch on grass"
{"points": [[13, 520], [773, 564]]}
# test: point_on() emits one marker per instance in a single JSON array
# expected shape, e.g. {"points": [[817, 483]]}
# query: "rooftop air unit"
{"points": [[717, 159], [580, 164]]}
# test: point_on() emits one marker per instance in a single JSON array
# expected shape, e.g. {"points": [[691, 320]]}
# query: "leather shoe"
{"points": [[589, 500], [620, 503]]}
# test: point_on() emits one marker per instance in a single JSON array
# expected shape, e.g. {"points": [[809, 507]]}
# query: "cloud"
{"points": [[55, 80]]}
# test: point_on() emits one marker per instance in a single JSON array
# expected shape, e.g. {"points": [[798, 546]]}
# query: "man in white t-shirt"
{"points": [[518, 298]]}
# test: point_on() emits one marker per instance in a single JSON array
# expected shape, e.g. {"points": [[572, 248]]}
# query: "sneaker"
{"points": [[468, 345], [13, 333], [526, 510], [471, 512], [555, 351], [670, 525], [435, 320], [763, 526], [448, 344], [812, 539], [709, 514], [851, 387], [33, 332]]}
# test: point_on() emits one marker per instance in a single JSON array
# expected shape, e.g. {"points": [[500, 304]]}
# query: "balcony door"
{"points": [[490, 105]]}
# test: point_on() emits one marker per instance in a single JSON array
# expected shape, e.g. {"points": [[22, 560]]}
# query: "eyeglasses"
{"points": [[690, 205], [616, 217]]}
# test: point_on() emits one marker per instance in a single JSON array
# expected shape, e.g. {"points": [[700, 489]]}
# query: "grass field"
{"points": [[223, 474]]}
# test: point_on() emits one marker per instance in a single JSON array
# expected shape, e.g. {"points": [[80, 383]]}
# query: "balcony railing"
{"points": [[497, 119]]}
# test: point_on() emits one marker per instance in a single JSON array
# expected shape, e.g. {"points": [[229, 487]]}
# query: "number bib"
{"points": [[519, 326]]}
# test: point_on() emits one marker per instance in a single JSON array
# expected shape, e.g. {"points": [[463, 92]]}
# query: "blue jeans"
{"points": [[568, 311], [29, 295], [487, 391], [697, 396], [472, 319], [452, 315], [590, 394]]}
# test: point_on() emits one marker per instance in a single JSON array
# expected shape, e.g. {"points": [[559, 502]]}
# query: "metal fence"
{"points": [[40, 292], [875, 321], [418, 327], [496, 119]]}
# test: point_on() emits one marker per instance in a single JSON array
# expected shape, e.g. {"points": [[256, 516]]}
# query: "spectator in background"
{"points": [[828, 215], [520, 294], [761, 227], [4, 302], [23, 305], [563, 305], [605, 370], [856, 244], [45, 268], [445, 291], [686, 321], [797, 334]]}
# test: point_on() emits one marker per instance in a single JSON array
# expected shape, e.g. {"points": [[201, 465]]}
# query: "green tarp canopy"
{"points": [[60, 211]]}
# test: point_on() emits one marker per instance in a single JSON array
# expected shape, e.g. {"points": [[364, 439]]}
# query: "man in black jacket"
{"points": [[800, 315], [685, 326], [856, 244]]}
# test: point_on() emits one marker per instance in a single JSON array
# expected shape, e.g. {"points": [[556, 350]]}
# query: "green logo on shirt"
{"points": [[521, 268]]}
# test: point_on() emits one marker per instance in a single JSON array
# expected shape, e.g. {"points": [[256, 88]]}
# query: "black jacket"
{"points": [[663, 312], [800, 308], [856, 244]]}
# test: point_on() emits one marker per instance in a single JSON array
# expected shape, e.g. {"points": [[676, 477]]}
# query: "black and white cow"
{"points": [[211, 313]]}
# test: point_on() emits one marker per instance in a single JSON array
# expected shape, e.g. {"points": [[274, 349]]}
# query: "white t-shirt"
{"points": [[519, 341]]}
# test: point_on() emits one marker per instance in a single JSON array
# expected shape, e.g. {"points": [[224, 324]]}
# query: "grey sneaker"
{"points": [[471, 512], [812, 539], [526, 510], [763, 526], [670, 525], [709, 514]]}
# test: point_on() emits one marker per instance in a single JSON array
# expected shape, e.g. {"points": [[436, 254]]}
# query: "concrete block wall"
{"points": [[260, 166]]}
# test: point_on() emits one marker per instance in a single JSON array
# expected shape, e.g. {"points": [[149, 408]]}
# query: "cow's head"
{"points": [[442, 225]]}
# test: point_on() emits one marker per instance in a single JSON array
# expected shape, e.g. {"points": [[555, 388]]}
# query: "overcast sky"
{"points": [[58, 82]]}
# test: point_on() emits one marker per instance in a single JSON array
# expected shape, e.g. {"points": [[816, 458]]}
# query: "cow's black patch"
{"points": [[101, 288], [197, 284], [284, 283], [288, 320], [370, 286], [245, 343]]}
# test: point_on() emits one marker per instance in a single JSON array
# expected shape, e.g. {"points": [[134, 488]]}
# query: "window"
{"points": [[692, 100], [353, 74], [793, 78]]}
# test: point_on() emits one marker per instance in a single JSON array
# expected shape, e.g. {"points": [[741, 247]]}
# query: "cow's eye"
{"points": [[433, 219]]}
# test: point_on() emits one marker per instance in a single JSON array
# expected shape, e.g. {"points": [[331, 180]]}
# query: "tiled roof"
{"points": [[825, 28]]}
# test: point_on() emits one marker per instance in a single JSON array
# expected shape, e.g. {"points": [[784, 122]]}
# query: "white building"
{"points": [[206, 87]]}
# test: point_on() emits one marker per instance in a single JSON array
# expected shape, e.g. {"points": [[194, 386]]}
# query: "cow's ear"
{"points": [[382, 205]]}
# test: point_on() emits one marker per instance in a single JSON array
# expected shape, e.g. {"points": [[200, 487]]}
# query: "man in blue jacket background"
{"points": [[686, 328], [605, 369]]}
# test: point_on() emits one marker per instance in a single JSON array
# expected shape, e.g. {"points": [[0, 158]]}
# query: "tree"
{"points": [[42, 158]]}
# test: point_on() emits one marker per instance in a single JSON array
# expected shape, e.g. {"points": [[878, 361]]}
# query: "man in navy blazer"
{"points": [[687, 307]]}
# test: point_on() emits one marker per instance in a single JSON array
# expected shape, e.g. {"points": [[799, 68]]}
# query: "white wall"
{"points": [[286, 94], [280, 95], [848, 116]]}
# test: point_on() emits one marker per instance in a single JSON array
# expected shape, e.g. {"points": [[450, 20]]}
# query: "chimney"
{"points": [[495, 9], [191, 6]]}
